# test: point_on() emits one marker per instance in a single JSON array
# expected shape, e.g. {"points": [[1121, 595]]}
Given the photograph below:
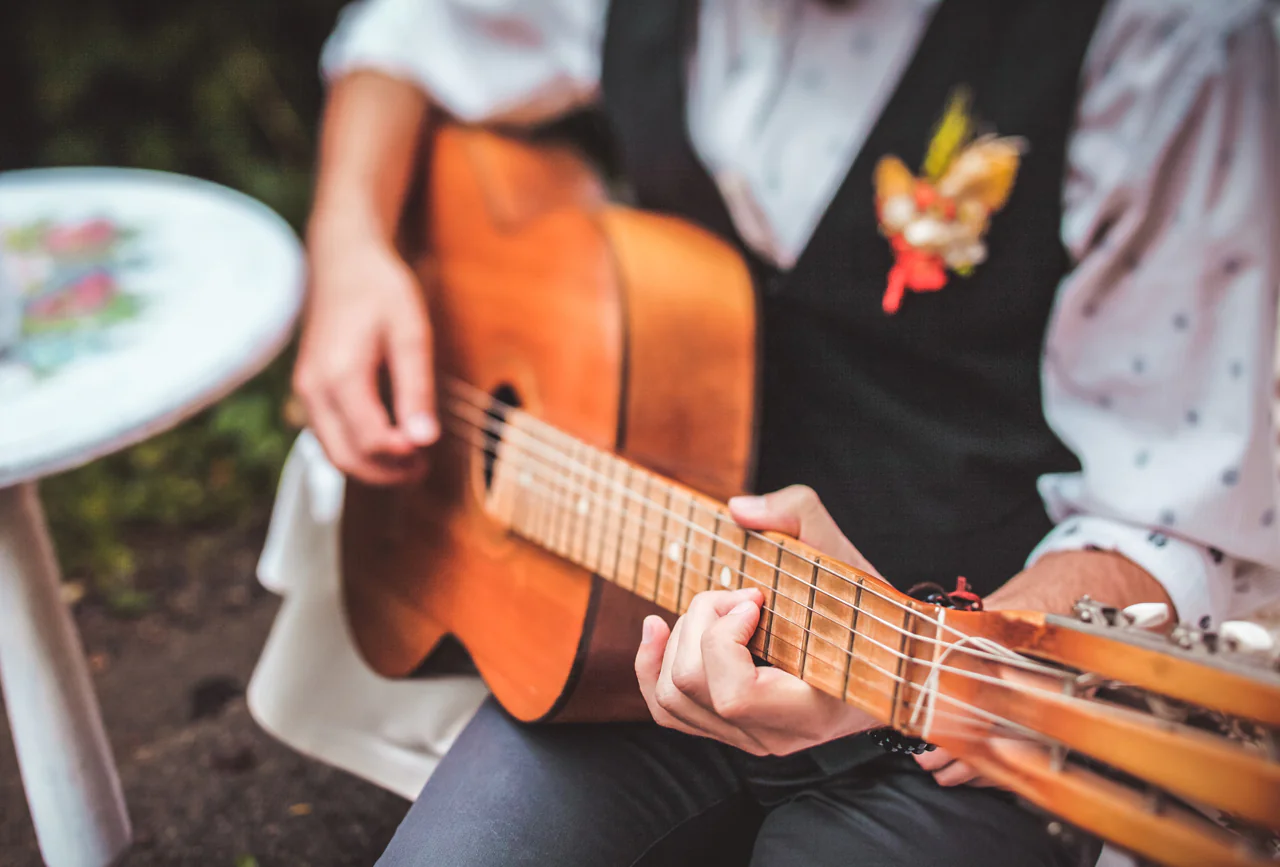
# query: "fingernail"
{"points": [[749, 507], [421, 429], [648, 630], [743, 607]]}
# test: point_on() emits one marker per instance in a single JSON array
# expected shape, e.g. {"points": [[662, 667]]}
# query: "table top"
{"points": [[129, 300]]}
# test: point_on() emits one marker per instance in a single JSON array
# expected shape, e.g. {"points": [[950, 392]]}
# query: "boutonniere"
{"points": [[938, 221]]}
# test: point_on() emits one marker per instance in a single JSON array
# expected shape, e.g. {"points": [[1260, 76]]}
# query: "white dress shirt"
{"points": [[1159, 352]]}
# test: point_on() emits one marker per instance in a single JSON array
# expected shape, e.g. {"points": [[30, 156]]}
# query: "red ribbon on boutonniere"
{"points": [[938, 221]]}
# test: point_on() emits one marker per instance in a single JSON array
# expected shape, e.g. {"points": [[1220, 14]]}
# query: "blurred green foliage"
{"points": [[227, 91]]}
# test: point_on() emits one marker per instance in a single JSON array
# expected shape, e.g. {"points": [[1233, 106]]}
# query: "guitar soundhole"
{"points": [[503, 399]]}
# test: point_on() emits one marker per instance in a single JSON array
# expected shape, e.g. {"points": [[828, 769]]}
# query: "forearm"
{"points": [[1056, 581], [370, 139]]}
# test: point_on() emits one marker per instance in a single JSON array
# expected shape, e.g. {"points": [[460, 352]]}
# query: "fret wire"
{"points": [[712, 578], [900, 654], [573, 517], [684, 560], [548, 523], [644, 511], [1027, 664], [742, 562], [808, 621], [853, 630], [544, 523], [564, 506], [660, 564], [585, 511], [896, 676], [560, 458], [991, 717], [773, 615], [604, 528], [556, 492], [784, 619], [622, 529], [664, 551], [752, 534], [902, 661]]}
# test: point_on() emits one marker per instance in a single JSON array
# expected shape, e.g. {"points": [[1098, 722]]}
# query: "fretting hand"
{"points": [[700, 677]]}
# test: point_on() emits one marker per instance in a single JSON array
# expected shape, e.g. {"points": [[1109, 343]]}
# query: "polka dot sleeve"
{"points": [[1159, 364]]}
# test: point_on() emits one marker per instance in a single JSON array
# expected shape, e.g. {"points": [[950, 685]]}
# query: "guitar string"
{"points": [[653, 505], [923, 693], [852, 657], [644, 528], [486, 412], [1007, 656], [926, 692], [1003, 655]]}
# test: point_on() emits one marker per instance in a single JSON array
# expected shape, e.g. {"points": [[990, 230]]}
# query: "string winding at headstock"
{"points": [[1166, 743]]}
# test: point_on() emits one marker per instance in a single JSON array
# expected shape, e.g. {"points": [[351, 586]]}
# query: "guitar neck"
{"points": [[822, 621]]}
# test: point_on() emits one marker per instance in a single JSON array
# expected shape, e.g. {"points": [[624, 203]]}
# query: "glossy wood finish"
{"points": [[629, 339], [623, 329]]}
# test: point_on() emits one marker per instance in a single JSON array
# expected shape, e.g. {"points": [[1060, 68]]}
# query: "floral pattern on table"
{"points": [[70, 283]]}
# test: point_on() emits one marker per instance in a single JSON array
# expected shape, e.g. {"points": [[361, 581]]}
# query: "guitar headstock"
{"points": [[1167, 744]]}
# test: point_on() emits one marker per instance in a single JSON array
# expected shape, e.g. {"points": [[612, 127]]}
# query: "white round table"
{"points": [[129, 300]]}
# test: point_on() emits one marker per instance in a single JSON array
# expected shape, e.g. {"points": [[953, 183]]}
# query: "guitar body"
{"points": [[631, 332], [595, 372]]}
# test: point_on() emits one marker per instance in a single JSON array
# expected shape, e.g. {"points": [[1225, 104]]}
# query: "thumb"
{"points": [[798, 512], [653, 646]]}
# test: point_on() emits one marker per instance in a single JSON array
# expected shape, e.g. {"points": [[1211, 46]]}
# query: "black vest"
{"points": [[923, 431]]}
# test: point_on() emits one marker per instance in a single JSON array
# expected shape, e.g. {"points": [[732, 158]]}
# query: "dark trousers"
{"points": [[623, 795]]}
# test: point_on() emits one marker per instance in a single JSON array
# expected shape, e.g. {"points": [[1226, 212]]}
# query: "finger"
{"points": [[366, 421], [688, 715], [687, 671], [775, 707], [409, 354], [984, 783], [653, 644], [935, 760], [334, 435], [955, 774], [797, 511], [731, 672]]}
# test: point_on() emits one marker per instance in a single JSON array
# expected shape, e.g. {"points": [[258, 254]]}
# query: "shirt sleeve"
{"points": [[483, 61], [1160, 354]]}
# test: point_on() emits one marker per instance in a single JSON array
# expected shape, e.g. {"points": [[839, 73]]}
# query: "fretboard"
{"points": [[821, 620]]}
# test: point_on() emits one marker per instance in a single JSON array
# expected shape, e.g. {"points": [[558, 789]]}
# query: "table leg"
{"points": [[72, 787]]}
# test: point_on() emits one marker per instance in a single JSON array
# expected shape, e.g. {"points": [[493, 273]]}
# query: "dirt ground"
{"points": [[205, 785]]}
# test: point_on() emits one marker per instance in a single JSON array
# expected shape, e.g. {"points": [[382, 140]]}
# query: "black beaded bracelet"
{"points": [[893, 741]]}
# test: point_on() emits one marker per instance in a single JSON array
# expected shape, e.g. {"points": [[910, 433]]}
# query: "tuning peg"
{"points": [[1244, 636], [1147, 615], [1090, 610]]}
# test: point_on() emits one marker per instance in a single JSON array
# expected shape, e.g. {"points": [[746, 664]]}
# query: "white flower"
{"points": [[897, 212]]}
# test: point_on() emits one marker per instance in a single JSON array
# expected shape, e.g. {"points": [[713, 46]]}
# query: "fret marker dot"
{"points": [[582, 506], [673, 552], [725, 576], [526, 479]]}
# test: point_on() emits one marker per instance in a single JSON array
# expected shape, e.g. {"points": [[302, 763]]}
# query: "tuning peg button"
{"points": [[1147, 615], [1245, 636]]}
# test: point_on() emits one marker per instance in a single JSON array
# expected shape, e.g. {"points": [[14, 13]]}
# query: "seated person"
{"points": [[1078, 403]]}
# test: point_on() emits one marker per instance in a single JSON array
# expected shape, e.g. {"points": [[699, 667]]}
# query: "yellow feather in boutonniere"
{"points": [[938, 221]]}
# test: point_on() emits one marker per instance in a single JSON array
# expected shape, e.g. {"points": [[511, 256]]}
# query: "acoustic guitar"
{"points": [[596, 371]]}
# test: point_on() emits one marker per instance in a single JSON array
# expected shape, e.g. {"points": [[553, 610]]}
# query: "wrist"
{"points": [[342, 220]]}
